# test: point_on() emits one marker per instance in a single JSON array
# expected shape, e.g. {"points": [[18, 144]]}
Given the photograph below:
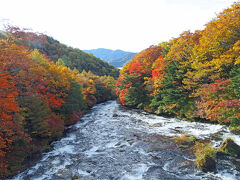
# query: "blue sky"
{"points": [[131, 25]]}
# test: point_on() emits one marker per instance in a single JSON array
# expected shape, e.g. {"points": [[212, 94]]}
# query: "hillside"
{"points": [[194, 76], [117, 58], [38, 97], [73, 58]]}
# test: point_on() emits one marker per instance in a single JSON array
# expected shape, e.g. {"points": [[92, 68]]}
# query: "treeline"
{"points": [[37, 99], [73, 58], [194, 76]]}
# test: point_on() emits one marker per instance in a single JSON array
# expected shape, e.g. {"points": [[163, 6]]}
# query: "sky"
{"points": [[130, 25]]}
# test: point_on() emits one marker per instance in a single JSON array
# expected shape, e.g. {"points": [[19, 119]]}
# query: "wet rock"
{"points": [[156, 172], [88, 171], [221, 155], [118, 144], [207, 163], [158, 147], [115, 115], [123, 146], [100, 150], [130, 141], [157, 125], [237, 164], [154, 156], [230, 147], [74, 177], [205, 157], [185, 164]]}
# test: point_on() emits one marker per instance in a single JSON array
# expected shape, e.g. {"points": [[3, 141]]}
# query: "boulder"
{"points": [[207, 163], [115, 115], [230, 147], [205, 157]]}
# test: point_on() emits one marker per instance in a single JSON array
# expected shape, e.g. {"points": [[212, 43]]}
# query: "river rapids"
{"points": [[114, 142]]}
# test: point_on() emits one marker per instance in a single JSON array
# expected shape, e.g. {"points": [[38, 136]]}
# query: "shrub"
{"points": [[184, 140], [205, 157]]}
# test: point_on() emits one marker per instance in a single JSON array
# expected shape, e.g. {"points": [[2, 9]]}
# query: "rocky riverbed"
{"points": [[114, 142]]}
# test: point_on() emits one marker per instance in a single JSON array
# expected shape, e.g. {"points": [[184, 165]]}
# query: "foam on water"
{"points": [[92, 151], [136, 173], [175, 127], [64, 149], [84, 173]]}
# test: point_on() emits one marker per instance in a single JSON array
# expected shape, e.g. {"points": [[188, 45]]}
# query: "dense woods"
{"points": [[194, 76], [73, 58], [39, 97]]}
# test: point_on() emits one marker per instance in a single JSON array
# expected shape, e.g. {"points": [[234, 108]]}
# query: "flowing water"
{"points": [[113, 142]]}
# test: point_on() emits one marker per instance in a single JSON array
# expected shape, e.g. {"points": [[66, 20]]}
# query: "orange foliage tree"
{"points": [[11, 128], [195, 75]]}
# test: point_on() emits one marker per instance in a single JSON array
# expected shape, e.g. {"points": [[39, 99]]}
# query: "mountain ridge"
{"points": [[74, 58], [117, 58]]}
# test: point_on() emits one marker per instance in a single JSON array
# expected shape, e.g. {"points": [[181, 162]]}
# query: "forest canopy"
{"points": [[73, 58], [38, 97], [193, 76]]}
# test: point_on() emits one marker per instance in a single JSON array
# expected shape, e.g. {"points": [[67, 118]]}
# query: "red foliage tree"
{"points": [[10, 128]]}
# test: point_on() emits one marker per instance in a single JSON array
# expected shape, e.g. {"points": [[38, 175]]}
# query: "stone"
{"points": [[230, 147], [205, 157], [207, 163], [115, 115]]}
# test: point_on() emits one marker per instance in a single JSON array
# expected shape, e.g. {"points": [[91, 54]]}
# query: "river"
{"points": [[114, 142]]}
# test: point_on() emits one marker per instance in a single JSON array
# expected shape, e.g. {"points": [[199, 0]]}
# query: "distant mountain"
{"points": [[117, 58]]}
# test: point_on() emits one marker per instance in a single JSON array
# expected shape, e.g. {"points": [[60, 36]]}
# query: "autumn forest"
{"points": [[194, 76], [46, 86], [39, 97]]}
